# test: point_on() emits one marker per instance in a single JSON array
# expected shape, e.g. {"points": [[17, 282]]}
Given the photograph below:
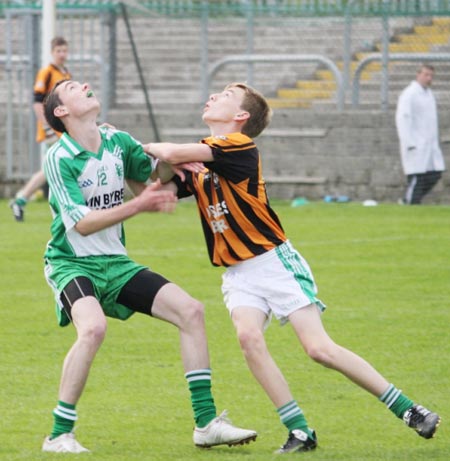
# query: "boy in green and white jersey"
{"points": [[96, 181], [87, 266]]}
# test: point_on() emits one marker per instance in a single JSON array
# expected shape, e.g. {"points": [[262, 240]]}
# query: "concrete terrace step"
{"points": [[170, 52], [286, 103], [375, 86], [431, 39], [187, 119]]}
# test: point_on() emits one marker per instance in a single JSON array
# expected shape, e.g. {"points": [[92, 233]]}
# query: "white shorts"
{"points": [[279, 282]]}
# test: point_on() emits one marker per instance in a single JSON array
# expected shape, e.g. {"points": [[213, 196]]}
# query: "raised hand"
{"points": [[153, 198], [193, 167]]}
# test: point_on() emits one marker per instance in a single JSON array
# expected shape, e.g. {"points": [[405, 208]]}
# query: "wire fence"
{"points": [[365, 53], [280, 7]]}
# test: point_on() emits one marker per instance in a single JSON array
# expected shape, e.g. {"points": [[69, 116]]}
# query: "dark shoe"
{"points": [[17, 210], [423, 421], [299, 441]]}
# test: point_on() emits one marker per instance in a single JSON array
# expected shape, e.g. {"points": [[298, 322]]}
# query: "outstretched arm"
{"points": [[166, 170], [163, 171], [179, 153], [136, 187]]}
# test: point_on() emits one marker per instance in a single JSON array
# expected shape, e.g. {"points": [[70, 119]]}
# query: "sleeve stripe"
{"points": [[53, 173]]}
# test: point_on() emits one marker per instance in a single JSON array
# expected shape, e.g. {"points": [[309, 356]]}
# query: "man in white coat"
{"points": [[417, 127]]}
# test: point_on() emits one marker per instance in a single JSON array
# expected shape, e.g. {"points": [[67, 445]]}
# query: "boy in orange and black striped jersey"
{"points": [[265, 275], [45, 80]]}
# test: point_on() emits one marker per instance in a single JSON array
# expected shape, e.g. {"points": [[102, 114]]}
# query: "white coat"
{"points": [[417, 127]]}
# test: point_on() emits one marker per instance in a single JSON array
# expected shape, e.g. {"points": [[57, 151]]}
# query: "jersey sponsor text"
{"points": [[103, 201]]}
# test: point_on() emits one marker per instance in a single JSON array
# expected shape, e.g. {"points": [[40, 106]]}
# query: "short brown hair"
{"points": [[58, 41], [425, 66], [256, 105], [51, 102]]}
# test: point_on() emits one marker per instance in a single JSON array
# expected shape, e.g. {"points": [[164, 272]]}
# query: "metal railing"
{"points": [[378, 57], [276, 58]]}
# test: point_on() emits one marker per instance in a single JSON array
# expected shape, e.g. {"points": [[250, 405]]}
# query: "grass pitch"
{"points": [[384, 273]]}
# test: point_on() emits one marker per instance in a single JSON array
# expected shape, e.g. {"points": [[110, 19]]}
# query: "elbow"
{"points": [[83, 233], [168, 158], [82, 229]]}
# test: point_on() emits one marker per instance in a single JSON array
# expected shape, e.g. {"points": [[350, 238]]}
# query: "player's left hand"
{"points": [[193, 167]]}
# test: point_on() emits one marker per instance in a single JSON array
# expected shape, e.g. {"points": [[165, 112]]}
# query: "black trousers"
{"points": [[419, 185]]}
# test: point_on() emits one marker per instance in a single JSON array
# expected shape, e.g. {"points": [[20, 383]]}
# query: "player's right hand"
{"points": [[154, 198]]}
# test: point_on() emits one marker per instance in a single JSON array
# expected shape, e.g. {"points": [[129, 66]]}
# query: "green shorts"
{"points": [[108, 275]]}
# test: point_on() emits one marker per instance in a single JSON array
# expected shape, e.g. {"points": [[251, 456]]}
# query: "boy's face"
{"points": [[77, 98], [224, 107], [59, 54]]}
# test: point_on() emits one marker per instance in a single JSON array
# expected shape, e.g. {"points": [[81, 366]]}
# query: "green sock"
{"points": [[396, 401], [21, 201], [201, 397], [292, 417], [64, 416]]}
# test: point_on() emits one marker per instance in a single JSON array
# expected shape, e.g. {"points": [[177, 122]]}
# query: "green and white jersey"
{"points": [[81, 181]]}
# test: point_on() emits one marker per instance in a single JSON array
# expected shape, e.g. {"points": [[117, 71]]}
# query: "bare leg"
{"points": [[321, 348], [175, 306], [34, 183], [90, 323], [249, 324]]}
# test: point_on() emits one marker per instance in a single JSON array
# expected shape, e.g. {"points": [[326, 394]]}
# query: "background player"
{"points": [[45, 80]]}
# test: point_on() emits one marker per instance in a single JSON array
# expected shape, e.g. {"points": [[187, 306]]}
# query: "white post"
{"points": [[47, 29]]}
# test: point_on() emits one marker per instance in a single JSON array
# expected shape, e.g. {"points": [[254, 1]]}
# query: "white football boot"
{"points": [[65, 443], [220, 431]]}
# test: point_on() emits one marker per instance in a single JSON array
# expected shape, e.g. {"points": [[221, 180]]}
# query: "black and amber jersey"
{"points": [[236, 216], [46, 79]]}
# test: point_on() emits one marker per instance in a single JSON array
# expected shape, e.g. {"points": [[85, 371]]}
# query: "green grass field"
{"points": [[384, 273]]}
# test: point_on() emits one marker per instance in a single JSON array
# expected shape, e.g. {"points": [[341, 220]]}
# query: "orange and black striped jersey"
{"points": [[236, 216], [46, 79]]}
